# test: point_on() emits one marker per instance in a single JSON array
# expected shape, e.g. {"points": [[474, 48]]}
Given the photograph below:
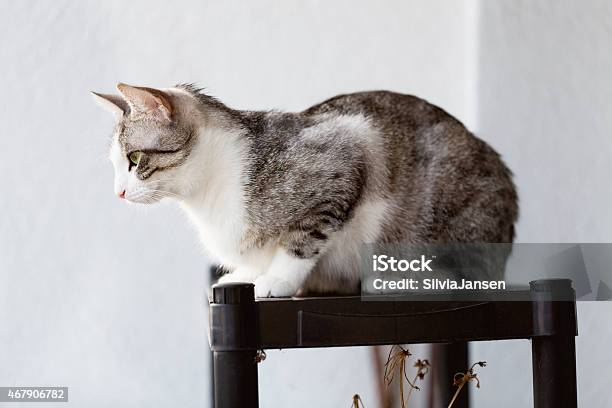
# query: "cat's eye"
{"points": [[134, 157]]}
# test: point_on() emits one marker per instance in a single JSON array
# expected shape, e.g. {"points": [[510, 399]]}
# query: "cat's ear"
{"points": [[146, 101], [112, 103]]}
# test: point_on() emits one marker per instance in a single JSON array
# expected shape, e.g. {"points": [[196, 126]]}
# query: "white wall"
{"points": [[109, 300], [545, 102]]}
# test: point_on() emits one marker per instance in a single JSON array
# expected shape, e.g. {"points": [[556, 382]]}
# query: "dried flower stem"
{"points": [[422, 369], [456, 395], [357, 402], [397, 359], [460, 379]]}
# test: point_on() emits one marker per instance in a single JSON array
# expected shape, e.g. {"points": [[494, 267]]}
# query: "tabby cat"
{"points": [[287, 200]]}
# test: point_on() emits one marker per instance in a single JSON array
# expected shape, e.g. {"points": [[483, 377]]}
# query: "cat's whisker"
{"points": [[158, 189], [164, 180], [158, 194], [168, 193]]}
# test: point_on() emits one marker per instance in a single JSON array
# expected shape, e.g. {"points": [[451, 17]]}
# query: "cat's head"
{"points": [[152, 142]]}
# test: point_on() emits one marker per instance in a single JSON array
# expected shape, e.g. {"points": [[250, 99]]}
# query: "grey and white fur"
{"points": [[287, 200]]}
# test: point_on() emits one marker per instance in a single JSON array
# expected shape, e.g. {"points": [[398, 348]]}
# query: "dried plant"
{"points": [[422, 367], [357, 402], [260, 356], [460, 379], [396, 361]]}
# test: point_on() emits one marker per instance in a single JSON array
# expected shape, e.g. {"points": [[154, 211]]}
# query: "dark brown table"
{"points": [[240, 325]]}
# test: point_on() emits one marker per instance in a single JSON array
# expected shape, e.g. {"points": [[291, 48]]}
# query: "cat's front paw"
{"points": [[238, 276], [273, 286]]}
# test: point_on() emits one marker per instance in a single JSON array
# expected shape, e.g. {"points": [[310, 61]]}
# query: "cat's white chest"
{"points": [[221, 225], [220, 229]]}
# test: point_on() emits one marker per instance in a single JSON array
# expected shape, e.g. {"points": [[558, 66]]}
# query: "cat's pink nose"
{"points": [[122, 194]]}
